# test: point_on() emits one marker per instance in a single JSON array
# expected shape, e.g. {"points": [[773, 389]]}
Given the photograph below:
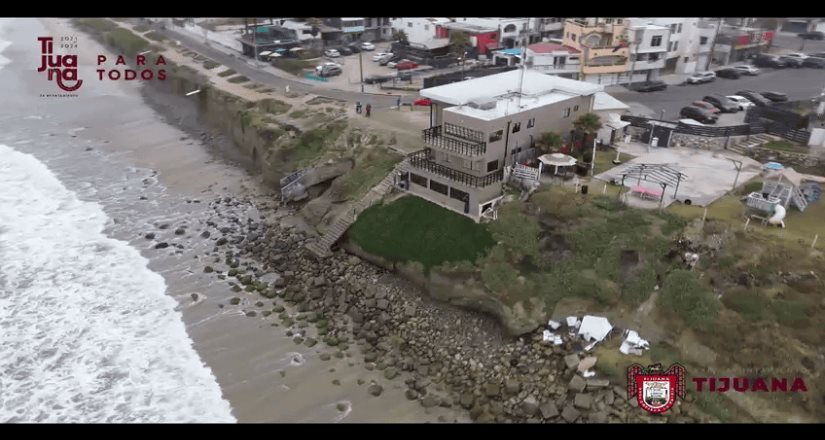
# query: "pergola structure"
{"points": [[656, 173]]}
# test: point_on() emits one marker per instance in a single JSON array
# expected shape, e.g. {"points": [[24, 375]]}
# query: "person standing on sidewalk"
{"points": [[369, 109], [358, 107], [398, 103]]}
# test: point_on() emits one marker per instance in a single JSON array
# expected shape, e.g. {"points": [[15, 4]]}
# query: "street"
{"points": [[798, 84]]}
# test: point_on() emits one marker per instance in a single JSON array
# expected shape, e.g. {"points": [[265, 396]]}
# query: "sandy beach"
{"points": [[109, 132]]}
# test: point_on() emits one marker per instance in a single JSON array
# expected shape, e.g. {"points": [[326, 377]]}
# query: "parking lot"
{"points": [[798, 84], [351, 66]]}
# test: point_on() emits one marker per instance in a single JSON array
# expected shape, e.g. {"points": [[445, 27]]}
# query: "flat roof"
{"points": [[511, 105], [602, 101], [493, 86], [551, 47]]}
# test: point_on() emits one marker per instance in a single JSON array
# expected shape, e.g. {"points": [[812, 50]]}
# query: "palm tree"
{"points": [[458, 43], [315, 22], [548, 141], [400, 36]]}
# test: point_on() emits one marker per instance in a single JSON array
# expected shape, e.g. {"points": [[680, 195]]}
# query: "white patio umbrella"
{"points": [[557, 160]]}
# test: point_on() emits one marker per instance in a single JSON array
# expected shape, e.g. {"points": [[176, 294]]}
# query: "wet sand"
{"points": [[247, 355]]}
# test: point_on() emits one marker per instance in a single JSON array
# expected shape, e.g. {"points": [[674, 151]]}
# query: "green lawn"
{"points": [[367, 172], [786, 146], [413, 229], [604, 160]]}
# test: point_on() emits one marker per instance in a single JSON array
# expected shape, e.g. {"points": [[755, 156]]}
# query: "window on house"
{"points": [[676, 45], [654, 57], [459, 195], [703, 40], [492, 166], [656, 41], [679, 29], [447, 158], [575, 108], [468, 164], [517, 127], [619, 21], [673, 28], [439, 187], [669, 46], [531, 122], [495, 137], [409, 24], [573, 37], [426, 27], [418, 180], [566, 113], [608, 20], [687, 59]]}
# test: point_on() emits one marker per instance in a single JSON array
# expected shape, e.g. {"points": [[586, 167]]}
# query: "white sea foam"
{"points": [[87, 332]]}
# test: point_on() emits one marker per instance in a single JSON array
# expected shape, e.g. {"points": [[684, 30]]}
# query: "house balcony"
{"points": [[605, 51], [648, 65], [455, 139], [593, 70], [422, 160]]}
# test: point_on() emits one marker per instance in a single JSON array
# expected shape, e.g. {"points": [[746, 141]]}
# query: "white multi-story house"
{"points": [[691, 40], [553, 59], [422, 30], [513, 31], [648, 49], [482, 126]]}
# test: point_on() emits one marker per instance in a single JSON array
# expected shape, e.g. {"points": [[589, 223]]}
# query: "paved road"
{"points": [[798, 84], [241, 66]]}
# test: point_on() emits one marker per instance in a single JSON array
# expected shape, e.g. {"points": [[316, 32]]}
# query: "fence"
{"points": [[755, 124], [421, 160]]}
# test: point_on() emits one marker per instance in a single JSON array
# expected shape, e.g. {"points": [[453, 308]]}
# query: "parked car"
{"points": [[747, 69], [390, 59], [354, 48], [791, 61], [378, 56], [816, 35], [755, 98], [817, 55], [425, 102], [817, 63], [367, 46], [698, 114], [649, 86], [321, 66], [344, 51], [701, 77], [405, 76], [728, 73], [768, 61], [332, 53], [722, 103], [406, 65], [741, 101], [799, 55], [707, 106], [377, 79], [330, 71], [395, 62], [775, 96]]}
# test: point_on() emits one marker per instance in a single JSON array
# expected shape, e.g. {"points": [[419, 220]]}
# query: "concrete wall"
{"points": [[418, 29], [703, 142], [478, 196]]}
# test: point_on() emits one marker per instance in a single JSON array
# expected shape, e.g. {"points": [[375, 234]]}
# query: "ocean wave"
{"points": [[87, 331]]}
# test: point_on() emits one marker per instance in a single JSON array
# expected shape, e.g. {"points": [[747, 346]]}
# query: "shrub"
{"points": [[225, 73], [238, 79], [155, 36], [639, 285], [685, 295], [209, 64]]}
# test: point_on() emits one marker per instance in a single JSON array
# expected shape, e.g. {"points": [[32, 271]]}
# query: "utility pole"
{"points": [[713, 44], [361, 65], [738, 165]]}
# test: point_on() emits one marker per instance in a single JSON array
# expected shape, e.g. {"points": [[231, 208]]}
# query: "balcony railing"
{"points": [[421, 160], [472, 146]]}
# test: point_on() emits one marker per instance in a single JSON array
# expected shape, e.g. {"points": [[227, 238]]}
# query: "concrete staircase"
{"points": [[754, 141], [321, 247]]}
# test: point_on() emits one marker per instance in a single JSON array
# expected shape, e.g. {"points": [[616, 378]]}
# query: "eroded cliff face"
{"points": [[464, 290]]}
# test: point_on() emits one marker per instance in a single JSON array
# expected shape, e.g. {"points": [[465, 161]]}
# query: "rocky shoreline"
{"points": [[446, 357]]}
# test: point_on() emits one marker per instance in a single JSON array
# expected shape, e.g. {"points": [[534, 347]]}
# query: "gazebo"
{"points": [[557, 160]]}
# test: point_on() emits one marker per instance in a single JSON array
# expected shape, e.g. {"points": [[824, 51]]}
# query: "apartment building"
{"points": [[554, 59], [689, 45], [481, 126], [648, 49], [346, 29], [424, 31], [736, 43], [604, 47]]}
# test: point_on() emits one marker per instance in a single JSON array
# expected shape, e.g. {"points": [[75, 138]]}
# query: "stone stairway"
{"points": [[756, 140], [798, 199], [321, 247]]}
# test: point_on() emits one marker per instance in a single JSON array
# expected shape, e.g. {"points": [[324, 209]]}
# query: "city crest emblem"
{"points": [[655, 389]]}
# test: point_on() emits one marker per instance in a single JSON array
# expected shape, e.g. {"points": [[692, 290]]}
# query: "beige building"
{"points": [[481, 126], [603, 46]]}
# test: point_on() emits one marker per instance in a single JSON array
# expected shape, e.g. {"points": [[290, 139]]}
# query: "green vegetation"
{"points": [[412, 229], [155, 36], [715, 405], [227, 72], [100, 25], [312, 143], [274, 106], [126, 41], [368, 171], [293, 66], [785, 146], [790, 313], [142, 28], [238, 79], [297, 114], [209, 64], [750, 305], [686, 296]]}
